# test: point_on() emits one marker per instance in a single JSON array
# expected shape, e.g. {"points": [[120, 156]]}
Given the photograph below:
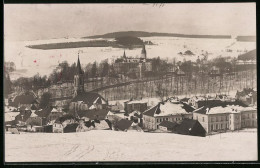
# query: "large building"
{"points": [[135, 65], [166, 111], [230, 117]]}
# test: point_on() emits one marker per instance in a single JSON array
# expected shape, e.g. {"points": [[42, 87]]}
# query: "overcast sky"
{"points": [[44, 21]]}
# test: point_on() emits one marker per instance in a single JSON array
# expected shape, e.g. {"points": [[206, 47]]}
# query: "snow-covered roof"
{"points": [[137, 101], [228, 109], [169, 108]]}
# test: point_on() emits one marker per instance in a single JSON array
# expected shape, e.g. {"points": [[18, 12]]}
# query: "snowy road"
{"points": [[106, 145]]}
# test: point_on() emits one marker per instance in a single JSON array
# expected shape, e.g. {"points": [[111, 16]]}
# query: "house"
{"points": [[168, 126], [166, 111], [57, 127], [21, 118], [49, 114], [95, 114], [123, 125], [48, 128], [190, 127], [248, 96], [26, 99], [226, 117], [135, 105], [35, 120], [70, 128]]}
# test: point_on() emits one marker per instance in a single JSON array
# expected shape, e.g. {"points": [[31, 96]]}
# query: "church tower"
{"points": [[78, 79], [143, 53]]}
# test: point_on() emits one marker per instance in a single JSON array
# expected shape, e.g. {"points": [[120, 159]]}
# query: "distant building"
{"points": [[137, 65], [166, 111], [226, 118]]}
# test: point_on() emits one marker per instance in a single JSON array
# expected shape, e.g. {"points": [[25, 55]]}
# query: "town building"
{"points": [[166, 111], [224, 118]]}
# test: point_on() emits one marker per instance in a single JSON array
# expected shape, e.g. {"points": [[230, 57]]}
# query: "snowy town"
{"points": [[199, 115], [175, 91]]}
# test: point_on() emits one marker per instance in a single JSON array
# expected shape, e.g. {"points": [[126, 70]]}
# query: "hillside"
{"points": [[106, 145], [150, 34], [246, 38], [124, 41]]}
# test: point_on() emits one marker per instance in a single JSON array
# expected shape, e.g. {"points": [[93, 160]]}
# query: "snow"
{"points": [[229, 109], [108, 145], [169, 108], [31, 61], [10, 116]]}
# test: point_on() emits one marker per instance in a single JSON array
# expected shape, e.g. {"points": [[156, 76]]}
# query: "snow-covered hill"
{"points": [[107, 145]]}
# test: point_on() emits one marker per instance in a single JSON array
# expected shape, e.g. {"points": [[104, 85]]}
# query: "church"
{"points": [[82, 100], [138, 65]]}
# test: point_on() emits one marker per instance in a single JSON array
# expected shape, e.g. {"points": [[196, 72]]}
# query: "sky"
{"points": [[45, 21]]}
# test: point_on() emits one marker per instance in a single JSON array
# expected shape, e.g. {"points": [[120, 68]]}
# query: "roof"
{"points": [[25, 114], [168, 108], [64, 118], [153, 110], [245, 92], [94, 114], [251, 55], [123, 124], [186, 126], [88, 97], [226, 107], [44, 113], [79, 70], [71, 127], [24, 99], [168, 124]]}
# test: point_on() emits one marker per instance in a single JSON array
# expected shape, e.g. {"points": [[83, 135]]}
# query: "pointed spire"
{"points": [[79, 70], [124, 56]]}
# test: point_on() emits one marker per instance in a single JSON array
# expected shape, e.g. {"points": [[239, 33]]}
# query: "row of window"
{"points": [[218, 126]]}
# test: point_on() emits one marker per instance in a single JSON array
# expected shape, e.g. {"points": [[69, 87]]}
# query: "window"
{"points": [[203, 119], [211, 126], [157, 120], [166, 119]]}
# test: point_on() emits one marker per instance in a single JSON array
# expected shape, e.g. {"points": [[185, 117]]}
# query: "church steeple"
{"points": [[79, 70], [124, 56], [78, 79], [143, 53]]}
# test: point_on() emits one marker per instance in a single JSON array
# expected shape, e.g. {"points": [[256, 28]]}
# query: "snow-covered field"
{"points": [[31, 61], [107, 145]]}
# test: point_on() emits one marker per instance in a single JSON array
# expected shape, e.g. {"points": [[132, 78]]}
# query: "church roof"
{"points": [[143, 50], [79, 70], [88, 97]]}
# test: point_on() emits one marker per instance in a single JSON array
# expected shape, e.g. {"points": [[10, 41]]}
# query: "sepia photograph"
{"points": [[130, 82]]}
